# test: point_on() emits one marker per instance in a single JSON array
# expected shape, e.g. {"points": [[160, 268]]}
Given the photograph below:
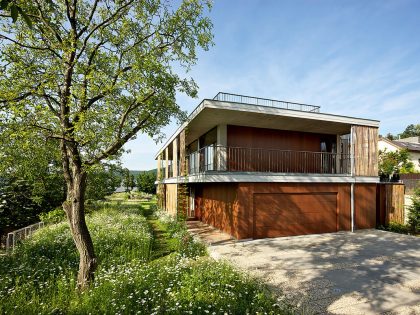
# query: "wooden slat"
{"points": [[391, 204], [365, 144]]}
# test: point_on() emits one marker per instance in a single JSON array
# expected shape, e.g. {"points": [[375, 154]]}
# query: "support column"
{"points": [[167, 162], [183, 168], [339, 155], [159, 167], [221, 151], [175, 157]]}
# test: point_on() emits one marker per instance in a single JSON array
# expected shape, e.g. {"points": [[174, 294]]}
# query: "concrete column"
{"points": [[183, 169], [167, 162], [175, 157], [221, 151]]}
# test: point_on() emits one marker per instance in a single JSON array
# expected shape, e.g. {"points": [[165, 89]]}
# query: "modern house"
{"points": [[257, 168], [412, 144]]}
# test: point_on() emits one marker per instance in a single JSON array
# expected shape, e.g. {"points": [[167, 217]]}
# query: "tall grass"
{"points": [[39, 277]]}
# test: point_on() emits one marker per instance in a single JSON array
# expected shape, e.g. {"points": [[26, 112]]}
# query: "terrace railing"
{"points": [[217, 158], [243, 99]]}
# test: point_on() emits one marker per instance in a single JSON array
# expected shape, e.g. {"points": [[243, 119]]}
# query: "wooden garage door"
{"points": [[286, 214]]}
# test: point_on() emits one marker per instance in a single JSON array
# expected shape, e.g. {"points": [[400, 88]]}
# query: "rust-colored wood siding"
{"points": [[285, 214], [266, 146], [217, 204], [171, 191], [365, 147], [250, 137], [365, 206], [390, 203], [256, 210]]}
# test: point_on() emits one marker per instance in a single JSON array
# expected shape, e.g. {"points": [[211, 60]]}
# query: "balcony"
{"points": [[216, 158]]}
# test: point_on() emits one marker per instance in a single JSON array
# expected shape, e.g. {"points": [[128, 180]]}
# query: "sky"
{"points": [[352, 58]]}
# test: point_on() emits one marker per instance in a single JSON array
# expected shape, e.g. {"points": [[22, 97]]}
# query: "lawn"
{"points": [[148, 264]]}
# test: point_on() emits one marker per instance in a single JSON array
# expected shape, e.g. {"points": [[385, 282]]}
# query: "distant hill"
{"points": [[135, 173]]}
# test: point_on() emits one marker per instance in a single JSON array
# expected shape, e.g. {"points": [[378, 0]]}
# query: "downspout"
{"points": [[352, 205], [352, 175]]}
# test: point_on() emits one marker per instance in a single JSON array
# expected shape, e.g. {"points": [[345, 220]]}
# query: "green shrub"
{"points": [[398, 228], [414, 214], [55, 216]]}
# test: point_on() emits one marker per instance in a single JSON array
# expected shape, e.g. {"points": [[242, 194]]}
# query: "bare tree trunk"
{"points": [[75, 209]]}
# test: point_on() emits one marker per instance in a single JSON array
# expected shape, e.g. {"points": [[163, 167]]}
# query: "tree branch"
{"points": [[23, 45], [92, 12], [104, 23]]}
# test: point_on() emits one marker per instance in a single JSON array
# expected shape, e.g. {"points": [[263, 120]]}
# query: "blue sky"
{"points": [[355, 58]]}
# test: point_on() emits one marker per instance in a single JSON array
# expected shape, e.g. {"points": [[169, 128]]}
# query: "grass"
{"points": [[147, 265]]}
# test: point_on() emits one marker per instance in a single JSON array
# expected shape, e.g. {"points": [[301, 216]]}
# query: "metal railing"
{"points": [[236, 159], [19, 235], [243, 99]]}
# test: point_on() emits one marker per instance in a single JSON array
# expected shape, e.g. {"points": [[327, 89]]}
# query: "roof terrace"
{"points": [[251, 100]]}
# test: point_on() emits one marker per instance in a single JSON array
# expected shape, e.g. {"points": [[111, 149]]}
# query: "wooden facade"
{"points": [[390, 203], [365, 150], [171, 194], [249, 137], [365, 206], [258, 210], [267, 209]]}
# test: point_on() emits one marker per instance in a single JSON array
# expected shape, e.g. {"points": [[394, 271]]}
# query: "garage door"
{"points": [[288, 214]]}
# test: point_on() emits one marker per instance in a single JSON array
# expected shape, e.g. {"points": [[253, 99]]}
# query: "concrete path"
{"points": [[367, 272]]}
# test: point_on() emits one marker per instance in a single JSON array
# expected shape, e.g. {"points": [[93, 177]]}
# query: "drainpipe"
{"points": [[352, 172], [352, 205]]}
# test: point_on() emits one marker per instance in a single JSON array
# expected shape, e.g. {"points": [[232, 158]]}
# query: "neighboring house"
{"points": [[258, 168], [412, 144]]}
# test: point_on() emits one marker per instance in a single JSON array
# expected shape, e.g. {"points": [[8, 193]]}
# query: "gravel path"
{"points": [[367, 272]]}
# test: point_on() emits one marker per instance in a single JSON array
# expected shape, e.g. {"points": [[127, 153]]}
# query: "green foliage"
{"points": [[394, 162], [39, 277], [17, 208], [55, 216], [414, 212], [122, 78], [397, 228], [146, 182], [411, 131], [102, 180], [128, 180], [15, 10]]}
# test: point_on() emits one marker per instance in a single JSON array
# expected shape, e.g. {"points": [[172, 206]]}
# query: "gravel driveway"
{"points": [[367, 272]]}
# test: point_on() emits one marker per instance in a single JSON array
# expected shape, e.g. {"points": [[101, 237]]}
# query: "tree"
{"points": [[394, 162], [17, 207], [28, 157], [13, 10], [91, 75], [146, 182], [411, 131], [414, 212], [102, 180], [390, 136], [128, 180]]}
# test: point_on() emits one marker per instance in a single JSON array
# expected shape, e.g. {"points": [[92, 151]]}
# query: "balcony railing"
{"points": [[216, 158], [235, 98]]}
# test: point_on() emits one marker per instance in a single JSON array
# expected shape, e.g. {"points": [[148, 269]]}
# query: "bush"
{"points": [[414, 214], [55, 216], [398, 228]]}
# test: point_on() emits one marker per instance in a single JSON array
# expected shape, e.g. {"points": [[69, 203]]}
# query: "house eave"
{"points": [[218, 112], [268, 178]]}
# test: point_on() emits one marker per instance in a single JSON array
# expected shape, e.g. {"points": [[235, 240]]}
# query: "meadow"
{"points": [[148, 264]]}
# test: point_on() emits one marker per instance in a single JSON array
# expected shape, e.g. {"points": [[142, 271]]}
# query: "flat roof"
{"points": [[211, 112]]}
